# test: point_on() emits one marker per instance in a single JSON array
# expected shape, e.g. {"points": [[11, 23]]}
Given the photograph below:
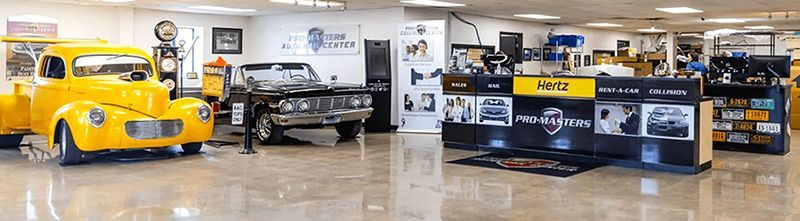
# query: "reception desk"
{"points": [[647, 123]]}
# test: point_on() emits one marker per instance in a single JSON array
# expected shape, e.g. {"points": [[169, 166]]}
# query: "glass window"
{"points": [[110, 65], [55, 68], [282, 72]]}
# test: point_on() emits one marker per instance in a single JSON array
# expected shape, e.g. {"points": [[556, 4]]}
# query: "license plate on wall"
{"points": [[733, 114], [769, 128], [725, 125], [757, 115], [742, 138]]}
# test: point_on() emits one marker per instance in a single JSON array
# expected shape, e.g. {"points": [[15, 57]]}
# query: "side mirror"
{"points": [[334, 78]]}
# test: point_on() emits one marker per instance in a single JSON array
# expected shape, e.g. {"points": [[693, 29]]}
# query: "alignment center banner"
{"points": [[421, 61]]}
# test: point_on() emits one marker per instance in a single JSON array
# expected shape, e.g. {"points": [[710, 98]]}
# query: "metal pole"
{"points": [[248, 118]]}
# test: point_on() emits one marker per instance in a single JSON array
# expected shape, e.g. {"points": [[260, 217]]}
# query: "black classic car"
{"points": [[291, 95]]}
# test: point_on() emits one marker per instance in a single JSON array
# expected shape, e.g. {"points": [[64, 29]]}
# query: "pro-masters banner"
{"points": [[19, 63], [421, 61], [322, 40]]}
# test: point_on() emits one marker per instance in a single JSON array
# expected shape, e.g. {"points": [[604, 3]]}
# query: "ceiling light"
{"points": [[726, 20], [690, 34], [679, 10], [603, 24], [537, 16], [117, 1], [313, 3], [651, 30], [759, 27], [219, 8], [433, 3]]}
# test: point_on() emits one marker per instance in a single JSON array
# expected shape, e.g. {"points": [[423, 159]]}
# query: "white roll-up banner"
{"points": [[421, 60]]}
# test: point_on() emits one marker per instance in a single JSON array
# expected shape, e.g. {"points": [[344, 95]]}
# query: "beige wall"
{"points": [[121, 25]]}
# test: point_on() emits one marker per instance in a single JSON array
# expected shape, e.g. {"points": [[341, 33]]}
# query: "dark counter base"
{"points": [[751, 150], [460, 146]]}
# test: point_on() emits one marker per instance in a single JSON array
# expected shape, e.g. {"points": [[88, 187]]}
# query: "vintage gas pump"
{"points": [[166, 56]]}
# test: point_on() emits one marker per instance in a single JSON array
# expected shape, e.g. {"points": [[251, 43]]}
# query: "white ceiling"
{"points": [[633, 14]]}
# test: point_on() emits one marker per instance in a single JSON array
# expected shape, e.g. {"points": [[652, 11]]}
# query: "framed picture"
{"points": [[577, 60], [527, 54], [546, 54], [226, 41], [587, 60], [537, 54]]}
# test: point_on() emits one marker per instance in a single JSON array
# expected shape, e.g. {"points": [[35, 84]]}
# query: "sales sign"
{"points": [[237, 114]]}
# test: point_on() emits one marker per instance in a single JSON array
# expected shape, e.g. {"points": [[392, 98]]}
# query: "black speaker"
{"points": [[379, 82]]}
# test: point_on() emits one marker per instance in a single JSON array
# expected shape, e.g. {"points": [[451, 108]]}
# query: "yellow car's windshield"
{"points": [[109, 65]]}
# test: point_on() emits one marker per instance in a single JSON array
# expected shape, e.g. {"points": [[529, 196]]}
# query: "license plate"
{"points": [[717, 114], [744, 126], [768, 128], [718, 136], [720, 102], [738, 102], [333, 119], [764, 104], [757, 115], [733, 114], [725, 125], [761, 139], [742, 138]]}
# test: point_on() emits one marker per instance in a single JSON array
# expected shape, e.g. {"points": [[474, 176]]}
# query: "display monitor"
{"points": [[769, 66], [736, 66]]}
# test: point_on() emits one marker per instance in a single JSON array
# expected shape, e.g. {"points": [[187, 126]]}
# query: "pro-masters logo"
{"points": [[528, 163], [553, 120]]}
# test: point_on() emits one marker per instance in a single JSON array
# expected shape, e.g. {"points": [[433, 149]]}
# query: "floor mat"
{"points": [[540, 165]]}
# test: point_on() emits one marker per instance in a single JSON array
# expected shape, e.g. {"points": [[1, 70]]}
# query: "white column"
{"points": [[671, 49]]}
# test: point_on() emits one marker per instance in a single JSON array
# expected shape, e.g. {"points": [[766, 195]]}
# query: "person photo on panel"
{"points": [[431, 103], [448, 110], [458, 110], [631, 124], [422, 52], [694, 64], [468, 116], [409, 105], [604, 126]]}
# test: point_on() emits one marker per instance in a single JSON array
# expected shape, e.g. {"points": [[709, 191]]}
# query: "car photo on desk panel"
{"points": [[495, 111], [668, 121]]}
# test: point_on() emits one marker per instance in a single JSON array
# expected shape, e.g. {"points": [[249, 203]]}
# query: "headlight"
{"points": [[355, 102], [286, 106], [366, 101], [303, 105], [97, 117], [204, 113]]}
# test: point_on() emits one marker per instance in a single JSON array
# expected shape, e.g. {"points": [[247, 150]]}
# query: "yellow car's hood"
{"points": [[149, 97]]}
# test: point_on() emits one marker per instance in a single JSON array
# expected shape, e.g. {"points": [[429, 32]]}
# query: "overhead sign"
{"points": [[323, 40], [19, 62], [555, 87]]}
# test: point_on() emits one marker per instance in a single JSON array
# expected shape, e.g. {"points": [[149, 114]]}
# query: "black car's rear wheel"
{"points": [[267, 131], [349, 129]]}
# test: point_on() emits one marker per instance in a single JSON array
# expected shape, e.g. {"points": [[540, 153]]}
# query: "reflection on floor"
{"points": [[315, 176]]}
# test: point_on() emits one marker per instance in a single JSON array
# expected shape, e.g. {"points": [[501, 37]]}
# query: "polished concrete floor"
{"points": [[382, 177]]}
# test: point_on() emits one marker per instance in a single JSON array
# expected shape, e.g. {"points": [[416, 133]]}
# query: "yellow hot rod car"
{"points": [[89, 97]]}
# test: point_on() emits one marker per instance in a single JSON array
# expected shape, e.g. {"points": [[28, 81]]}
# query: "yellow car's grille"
{"points": [[154, 129]]}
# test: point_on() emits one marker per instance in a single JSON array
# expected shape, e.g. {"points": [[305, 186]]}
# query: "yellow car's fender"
{"points": [[14, 113], [76, 116]]}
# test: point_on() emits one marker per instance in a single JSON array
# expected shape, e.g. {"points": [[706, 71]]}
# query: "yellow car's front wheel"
{"points": [[191, 148], [69, 152]]}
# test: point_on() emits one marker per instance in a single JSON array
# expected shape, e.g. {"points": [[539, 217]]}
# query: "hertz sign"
{"points": [[554, 87]]}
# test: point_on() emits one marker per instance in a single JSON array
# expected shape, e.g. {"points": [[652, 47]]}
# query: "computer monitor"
{"points": [[769, 66], [736, 66]]}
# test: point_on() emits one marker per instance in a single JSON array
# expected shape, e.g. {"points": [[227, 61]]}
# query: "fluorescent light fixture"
{"points": [[319, 3], [433, 3], [726, 20], [219, 8], [679, 10], [603, 24], [651, 30], [537, 16], [690, 34], [117, 1], [759, 27]]}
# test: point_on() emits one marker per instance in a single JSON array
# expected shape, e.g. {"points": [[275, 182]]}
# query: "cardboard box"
{"points": [[794, 109], [641, 69], [659, 56]]}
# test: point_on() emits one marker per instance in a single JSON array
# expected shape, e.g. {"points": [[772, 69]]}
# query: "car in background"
{"points": [[291, 95], [668, 121], [494, 109]]}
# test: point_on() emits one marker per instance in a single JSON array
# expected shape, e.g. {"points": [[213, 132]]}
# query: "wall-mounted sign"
{"points": [[19, 62], [420, 62], [322, 40]]}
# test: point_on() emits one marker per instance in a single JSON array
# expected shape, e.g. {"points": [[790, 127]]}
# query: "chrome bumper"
{"points": [[322, 118]]}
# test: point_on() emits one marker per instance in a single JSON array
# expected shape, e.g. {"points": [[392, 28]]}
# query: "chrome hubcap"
{"points": [[264, 126]]}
